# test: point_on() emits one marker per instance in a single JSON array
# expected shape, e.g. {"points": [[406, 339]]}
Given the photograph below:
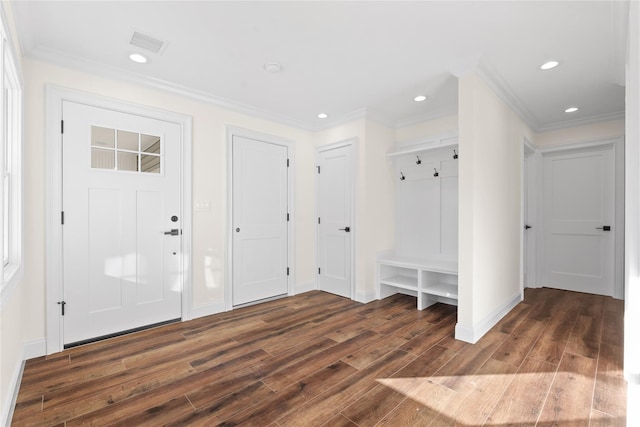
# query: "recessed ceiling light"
{"points": [[420, 98], [139, 58], [272, 67], [549, 65], [571, 110], [323, 115]]}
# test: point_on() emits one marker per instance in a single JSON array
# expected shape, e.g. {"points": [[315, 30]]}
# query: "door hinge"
{"points": [[62, 217], [287, 271], [318, 169], [287, 162], [61, 126], [318, 270], [62, 304]]}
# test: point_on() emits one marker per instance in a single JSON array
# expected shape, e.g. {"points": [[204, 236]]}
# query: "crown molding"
{"points": [[496, 82], [432, 115], [618, 115], [58, 58], [358, 114]]}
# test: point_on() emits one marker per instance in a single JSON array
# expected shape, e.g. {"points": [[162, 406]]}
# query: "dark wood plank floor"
{"points": [[318, 359]]}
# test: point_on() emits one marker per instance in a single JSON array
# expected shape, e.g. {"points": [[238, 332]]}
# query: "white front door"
{"points": [[579, 220], [121, 196], [260, 216], [334, 221]]}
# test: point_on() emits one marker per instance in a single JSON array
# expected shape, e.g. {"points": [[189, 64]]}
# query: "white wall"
{"points": [[209, 183], [632, 214], [591, 132], [490, 171], [374, 198], [379, 210]]}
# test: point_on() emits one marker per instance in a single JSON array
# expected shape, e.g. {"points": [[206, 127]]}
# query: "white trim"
{"points": [[207, 309], [618, 284], [477, 331], [82, 64], [55, 95], [365, 297], [588, 143], [617, 115], [291, 155], [353, 144], [9, 403], [427, 117], [359, 114], [11, 274], [35, 348], [531, 176], [497, 83], [303, 287]]}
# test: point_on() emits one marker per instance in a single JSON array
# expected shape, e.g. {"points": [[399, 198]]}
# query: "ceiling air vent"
{"points": [[149, 43]]}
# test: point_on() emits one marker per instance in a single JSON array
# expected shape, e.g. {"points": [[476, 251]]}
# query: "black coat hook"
{"points": [[455, 155], [402, 178], [436, 172], [418, 161]]}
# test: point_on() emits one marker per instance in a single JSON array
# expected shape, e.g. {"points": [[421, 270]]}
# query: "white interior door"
{"points": [[121, 194], [579, 206], [334, 221], [260, 215]]}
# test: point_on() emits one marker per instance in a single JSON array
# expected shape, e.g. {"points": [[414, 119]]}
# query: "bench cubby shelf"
{"points": [[429, 281]]}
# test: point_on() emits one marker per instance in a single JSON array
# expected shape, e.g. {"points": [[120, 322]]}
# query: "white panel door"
{"points": [[260, 235], [121, 188], [578, 207], [334, 228]]}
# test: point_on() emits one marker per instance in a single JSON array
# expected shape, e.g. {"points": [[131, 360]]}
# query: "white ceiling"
{"points": [[350, 58]]}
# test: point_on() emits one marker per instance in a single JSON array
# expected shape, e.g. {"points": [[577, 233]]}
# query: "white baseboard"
{"points": [[303, 287], [474, 333], [208, 309], [35, 348], [365, 297], [12, 395]]}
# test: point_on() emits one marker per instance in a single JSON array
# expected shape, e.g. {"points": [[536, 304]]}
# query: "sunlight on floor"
{"points": [[470, 399], [633, 397]]}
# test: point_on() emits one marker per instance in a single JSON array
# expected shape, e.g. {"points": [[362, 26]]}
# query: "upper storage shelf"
{"points": [[421, 147]]}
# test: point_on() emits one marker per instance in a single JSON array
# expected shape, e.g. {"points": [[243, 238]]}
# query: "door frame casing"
{"points": [[617, 145], [54, 97], [530, 215], [353, 143], [233, 131]]}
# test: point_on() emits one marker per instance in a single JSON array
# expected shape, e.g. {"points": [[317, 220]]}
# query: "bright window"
{"points": [[11, 163], [125, 151]]}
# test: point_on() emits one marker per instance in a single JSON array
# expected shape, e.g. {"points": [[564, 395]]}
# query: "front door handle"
{"points": [[172, 232], [526, 227], [346, 229], [604, 228]]}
